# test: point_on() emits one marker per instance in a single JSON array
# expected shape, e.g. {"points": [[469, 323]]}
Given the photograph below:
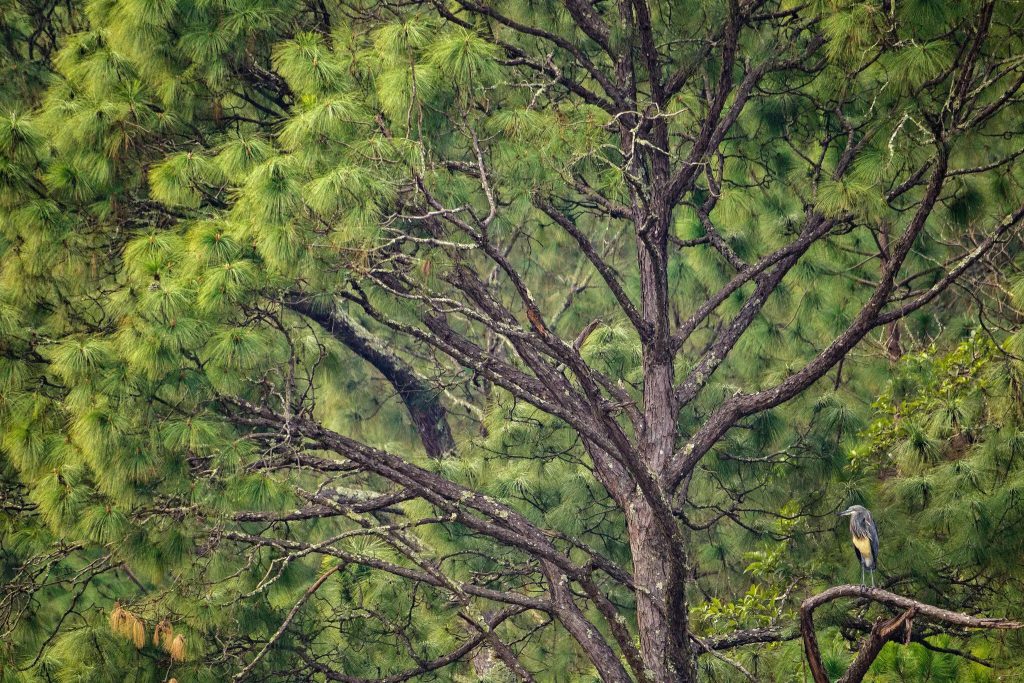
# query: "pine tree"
{"points": [[535, 341]]}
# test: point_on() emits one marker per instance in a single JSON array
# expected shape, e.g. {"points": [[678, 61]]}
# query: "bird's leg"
{"points": [[872, 578], [862, 581]]}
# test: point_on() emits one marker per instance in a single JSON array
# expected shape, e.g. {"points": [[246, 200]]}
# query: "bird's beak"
{"points": [[846, 513]]}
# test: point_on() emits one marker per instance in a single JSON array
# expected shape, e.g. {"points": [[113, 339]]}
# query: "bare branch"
{"points": [[883, 630]]}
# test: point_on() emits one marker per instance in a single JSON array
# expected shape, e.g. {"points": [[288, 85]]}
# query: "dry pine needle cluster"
{"points": [[130, 626]]}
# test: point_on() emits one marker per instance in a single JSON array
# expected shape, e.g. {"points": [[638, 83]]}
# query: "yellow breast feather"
{"points": [[863, 544]]}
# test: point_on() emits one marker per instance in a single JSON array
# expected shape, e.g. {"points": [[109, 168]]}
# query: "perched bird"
{"points": [[865, 539]]}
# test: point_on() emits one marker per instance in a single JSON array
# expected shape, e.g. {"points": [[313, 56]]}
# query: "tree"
{"points": [[590, 248]]}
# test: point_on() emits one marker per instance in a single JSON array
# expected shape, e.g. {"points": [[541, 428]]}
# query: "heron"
{"points": [[865, 539]]}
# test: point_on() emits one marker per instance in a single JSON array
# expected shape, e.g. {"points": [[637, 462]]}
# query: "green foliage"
{"points": [[176, 176], [465, 58], [934, 403], [755, 609]]}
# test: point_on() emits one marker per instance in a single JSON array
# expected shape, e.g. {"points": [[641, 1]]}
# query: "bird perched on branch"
{"points": [[865, 539]]}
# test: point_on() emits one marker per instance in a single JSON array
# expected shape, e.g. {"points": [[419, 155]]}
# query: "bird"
{"points": [[865, 539]]}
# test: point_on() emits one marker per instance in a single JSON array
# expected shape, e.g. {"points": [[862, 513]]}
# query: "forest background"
{"points": [[508, 340]]}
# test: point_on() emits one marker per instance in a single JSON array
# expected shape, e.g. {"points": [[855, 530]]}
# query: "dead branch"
{"points": [[884, 630]]}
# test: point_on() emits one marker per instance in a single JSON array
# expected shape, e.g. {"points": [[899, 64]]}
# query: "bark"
{"points": [[883, 630], [659, 574], [422, 402], [763, 634], [656, 545], [658, 551], [893, 347], [601, 655]]}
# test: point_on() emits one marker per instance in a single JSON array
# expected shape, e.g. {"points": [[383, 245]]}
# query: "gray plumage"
{"points": [[864, 537]]}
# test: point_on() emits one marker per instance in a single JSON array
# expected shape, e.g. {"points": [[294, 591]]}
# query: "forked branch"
{"points": [[884, 630]]}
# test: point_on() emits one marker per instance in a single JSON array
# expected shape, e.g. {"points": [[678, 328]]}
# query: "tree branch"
{"points": [[422, 401], [883, 630]]}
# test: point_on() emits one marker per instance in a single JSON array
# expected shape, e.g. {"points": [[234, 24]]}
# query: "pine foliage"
{"points": [[200, 200]]}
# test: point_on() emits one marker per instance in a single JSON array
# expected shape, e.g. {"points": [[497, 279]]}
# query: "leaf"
{"points": [[330, 118], [272, 192], [222, 285], [21, 138], [238, 348], [308, 64], [347, 187], [241, 154], [401, 88], [83, 358], [179, 179]]}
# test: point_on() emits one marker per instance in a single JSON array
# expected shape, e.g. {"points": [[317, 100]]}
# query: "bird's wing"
{"points": [[873, 535]]}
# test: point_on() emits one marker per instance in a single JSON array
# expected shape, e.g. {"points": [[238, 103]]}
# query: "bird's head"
{"points": [[853, 510]]}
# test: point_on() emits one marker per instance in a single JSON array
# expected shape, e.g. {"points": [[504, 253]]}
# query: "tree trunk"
{"points": [[659, 572], [659, 558]]}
